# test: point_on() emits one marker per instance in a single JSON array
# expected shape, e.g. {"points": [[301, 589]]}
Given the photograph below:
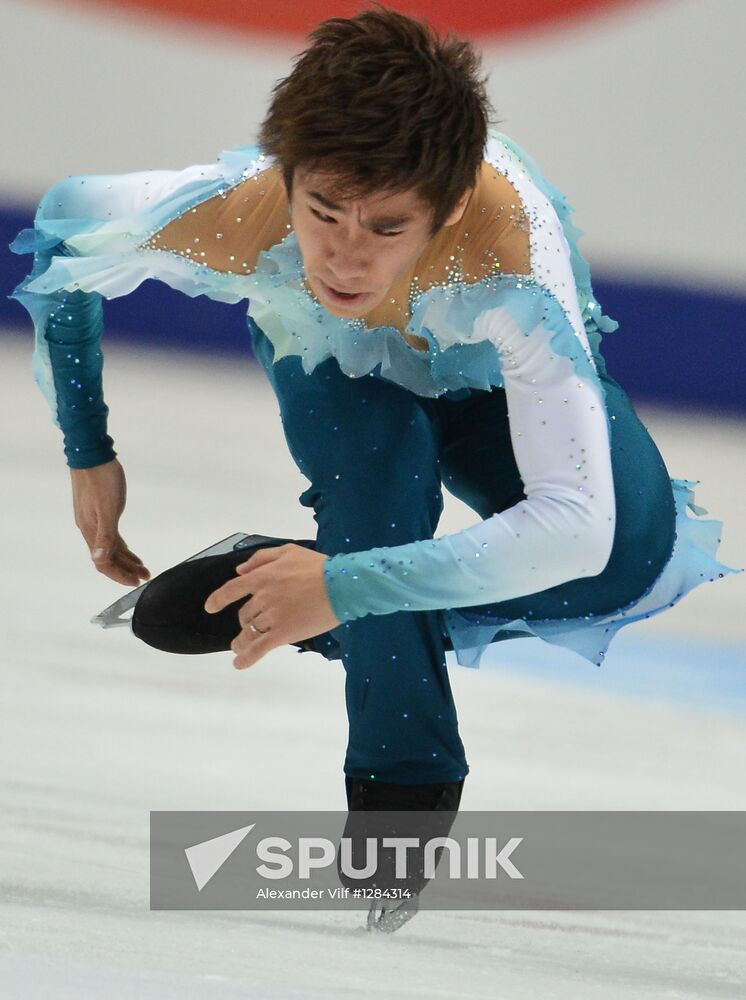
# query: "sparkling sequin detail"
{"points": [[478, 324]]}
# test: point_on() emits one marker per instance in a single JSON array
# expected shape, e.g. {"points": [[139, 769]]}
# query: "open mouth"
{"points": [[341, 297]]}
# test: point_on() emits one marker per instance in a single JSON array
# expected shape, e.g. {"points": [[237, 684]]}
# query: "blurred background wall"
{"points": [[634, 108]]}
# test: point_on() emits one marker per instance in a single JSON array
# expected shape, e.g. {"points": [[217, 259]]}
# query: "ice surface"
{"points": [[98, 729]]}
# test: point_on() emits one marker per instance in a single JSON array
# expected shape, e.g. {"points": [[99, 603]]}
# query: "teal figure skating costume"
{"points": [[506, 403]]}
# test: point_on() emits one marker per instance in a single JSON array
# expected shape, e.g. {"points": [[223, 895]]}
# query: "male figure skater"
{"points": [[419, 304]]}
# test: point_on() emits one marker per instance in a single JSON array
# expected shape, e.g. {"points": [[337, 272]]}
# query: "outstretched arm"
{"points": [[68, 362], [96, 237]]}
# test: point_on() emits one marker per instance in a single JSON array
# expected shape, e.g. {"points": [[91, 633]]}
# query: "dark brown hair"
{"points": [[383, 103]]}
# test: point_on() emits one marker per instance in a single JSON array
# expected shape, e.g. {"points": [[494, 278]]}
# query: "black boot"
{"points": [[170, 615], [436, 806]]}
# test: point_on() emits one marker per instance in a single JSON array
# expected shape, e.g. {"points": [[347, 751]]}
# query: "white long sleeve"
{"points": [[563, 529]]}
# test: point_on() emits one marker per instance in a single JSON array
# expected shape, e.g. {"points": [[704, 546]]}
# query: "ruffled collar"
{"points": [[457, 357], [297, 324]]}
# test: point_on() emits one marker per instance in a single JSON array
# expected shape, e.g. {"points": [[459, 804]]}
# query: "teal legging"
{"points": [[377, 457]]}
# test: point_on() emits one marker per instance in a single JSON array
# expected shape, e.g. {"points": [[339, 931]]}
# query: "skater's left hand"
{"points": [[289, 601]]}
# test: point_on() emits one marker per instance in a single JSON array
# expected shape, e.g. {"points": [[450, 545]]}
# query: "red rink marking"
{"points": [[297, 17]]}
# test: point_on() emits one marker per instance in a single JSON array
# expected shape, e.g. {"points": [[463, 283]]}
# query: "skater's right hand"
{"points": [[99, 496]]}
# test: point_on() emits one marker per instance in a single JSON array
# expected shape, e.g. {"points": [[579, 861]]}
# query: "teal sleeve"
{"points": [[90, 242], [68, 363]]}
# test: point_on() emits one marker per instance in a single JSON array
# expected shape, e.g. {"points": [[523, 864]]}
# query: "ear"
{"points": [[459, 208]]}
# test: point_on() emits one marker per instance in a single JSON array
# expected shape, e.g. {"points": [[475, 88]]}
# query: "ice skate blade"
{"points": [[389, 920], [113, 616]]}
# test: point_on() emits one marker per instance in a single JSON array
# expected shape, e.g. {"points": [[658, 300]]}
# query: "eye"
{"points": [[388, 232], [321, 216]]}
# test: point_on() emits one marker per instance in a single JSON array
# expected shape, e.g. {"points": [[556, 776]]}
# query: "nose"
{"points": [[346, 258]]}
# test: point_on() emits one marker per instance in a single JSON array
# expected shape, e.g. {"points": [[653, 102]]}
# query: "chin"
{"points": [[348, 312]]}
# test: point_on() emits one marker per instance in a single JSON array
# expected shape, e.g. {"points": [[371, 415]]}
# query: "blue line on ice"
{"points": [[709, 676]]}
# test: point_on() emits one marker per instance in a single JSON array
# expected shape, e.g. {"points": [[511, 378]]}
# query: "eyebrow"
{"points": [[383, 222]]}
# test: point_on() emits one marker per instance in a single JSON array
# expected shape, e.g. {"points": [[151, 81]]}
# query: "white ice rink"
{"points": [[98, 729]]}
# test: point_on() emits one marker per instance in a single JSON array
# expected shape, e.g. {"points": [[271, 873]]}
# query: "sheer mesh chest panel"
{"points": [[228, 231], [492, 238]]}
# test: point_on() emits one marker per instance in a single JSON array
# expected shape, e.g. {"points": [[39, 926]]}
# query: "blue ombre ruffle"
{"points": [[105, 257], [692, 562], [456, 358], [96, 255], [595, 321]]}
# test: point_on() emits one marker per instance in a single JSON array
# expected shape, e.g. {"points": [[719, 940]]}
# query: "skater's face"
{"points": [[355, 250]]}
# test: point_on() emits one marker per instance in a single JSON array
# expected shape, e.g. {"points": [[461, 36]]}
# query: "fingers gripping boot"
{"points": [[170, 614]]}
